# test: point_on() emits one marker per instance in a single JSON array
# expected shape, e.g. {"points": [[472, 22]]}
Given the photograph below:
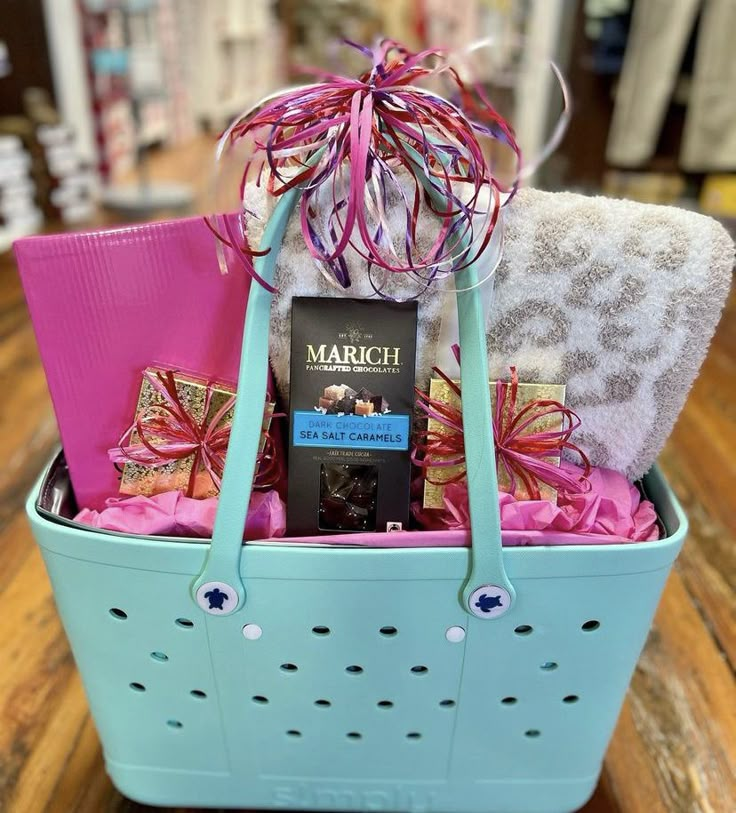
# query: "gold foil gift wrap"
{"points": [[177, 475], [440, 390]]}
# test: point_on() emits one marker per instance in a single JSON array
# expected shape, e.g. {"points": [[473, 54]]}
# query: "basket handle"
{"points": [[487, 592]]}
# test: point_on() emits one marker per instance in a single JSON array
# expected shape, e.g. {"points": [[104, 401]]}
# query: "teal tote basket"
{"points": [[337, 678]]}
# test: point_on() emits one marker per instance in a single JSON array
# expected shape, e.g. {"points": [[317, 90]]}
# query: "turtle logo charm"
{"points": [[485, 602], [489, 601], [216, 598]]}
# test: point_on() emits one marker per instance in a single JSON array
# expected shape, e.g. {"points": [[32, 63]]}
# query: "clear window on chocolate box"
{"points": [[347, 497]]}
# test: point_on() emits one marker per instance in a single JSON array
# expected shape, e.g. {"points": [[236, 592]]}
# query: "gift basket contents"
{"points": [[353, 479]]}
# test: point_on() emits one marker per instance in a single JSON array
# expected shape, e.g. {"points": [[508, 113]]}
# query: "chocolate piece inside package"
{"points": [[342, 399], [347, 498]]}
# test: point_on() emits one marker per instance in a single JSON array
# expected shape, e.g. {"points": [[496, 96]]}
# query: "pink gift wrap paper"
{"points": [[107, 304]]}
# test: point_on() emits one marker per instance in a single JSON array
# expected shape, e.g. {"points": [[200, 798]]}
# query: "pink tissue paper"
{"points": [[613, 511], [172, 514]]}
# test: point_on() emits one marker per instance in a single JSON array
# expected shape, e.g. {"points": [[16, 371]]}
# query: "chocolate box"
{"points": [[439, 390], [177, 475], [351, 403]]}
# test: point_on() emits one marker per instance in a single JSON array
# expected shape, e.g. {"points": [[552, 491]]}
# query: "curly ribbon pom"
{"points": [[526, 455], [349, 144], [167, 432]]}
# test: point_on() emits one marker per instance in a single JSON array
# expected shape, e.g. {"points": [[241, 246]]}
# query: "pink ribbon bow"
{"points": [[522, 453], [168, 432]]}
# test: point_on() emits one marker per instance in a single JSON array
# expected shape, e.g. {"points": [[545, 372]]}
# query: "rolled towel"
{"points": [[617, 300]]}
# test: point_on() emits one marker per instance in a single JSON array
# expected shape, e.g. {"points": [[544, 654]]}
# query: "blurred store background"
{"points": [[109, 108]]}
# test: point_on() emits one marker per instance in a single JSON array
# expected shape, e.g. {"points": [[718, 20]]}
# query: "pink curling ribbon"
{"points": [[348, 144], [168, 432], [523, 453]]}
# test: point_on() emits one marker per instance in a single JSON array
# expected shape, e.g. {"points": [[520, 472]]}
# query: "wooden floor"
{"points": [[674, 749]]}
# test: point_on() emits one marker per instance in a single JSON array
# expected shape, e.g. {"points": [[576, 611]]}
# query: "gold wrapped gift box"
{"points": [[439, 390], [138, 479]]}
